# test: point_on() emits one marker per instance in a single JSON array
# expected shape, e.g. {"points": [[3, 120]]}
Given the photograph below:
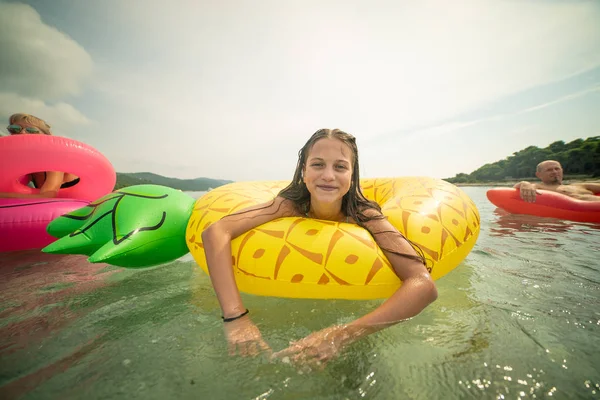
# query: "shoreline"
{"points": [[513, 183], [498, 184]]}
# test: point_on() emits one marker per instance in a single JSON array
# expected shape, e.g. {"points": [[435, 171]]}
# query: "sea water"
{"points": [[518, 319]]}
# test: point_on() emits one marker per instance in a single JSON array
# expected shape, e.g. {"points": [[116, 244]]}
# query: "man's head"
{"points": [[550, 172]]}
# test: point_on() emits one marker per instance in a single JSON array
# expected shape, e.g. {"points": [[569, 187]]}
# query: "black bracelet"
{"points": [[234, 318]]}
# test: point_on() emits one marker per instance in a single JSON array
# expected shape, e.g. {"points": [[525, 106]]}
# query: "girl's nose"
{"points": [[328, 174]]}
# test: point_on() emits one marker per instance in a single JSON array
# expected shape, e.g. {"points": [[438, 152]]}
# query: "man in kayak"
{"points": [[550, 173]]}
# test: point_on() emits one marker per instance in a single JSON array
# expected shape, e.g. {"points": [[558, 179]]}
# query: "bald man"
{"points": [[550, 173]]}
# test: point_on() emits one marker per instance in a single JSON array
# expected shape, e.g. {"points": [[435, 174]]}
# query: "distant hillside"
{"points": [[579, 159], [191, 185], [124, 180]]}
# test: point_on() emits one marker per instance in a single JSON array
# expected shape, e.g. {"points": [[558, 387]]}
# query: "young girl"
{"points": [[325, 186]]}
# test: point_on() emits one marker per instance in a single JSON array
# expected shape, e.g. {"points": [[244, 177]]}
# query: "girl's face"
{"points": [[328, 171]]}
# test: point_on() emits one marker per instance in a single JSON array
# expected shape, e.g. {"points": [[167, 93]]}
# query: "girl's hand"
{"points": [[318, 348], [244, 338]]}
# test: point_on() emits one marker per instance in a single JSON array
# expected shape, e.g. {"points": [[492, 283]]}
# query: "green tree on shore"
{"points": [[579, 157]]}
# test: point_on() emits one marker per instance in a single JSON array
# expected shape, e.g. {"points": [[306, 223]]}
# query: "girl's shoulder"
{"points": [[287, 207], [371, 213]]}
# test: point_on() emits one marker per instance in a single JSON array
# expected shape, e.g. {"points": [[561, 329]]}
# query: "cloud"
{"points": [[38, 60], [446, 128], [561, 99], [395, 65], [39, 67], [266, 76], [235, 91]]}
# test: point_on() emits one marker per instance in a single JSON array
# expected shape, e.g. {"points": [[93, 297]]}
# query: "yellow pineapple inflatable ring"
{"points": [[308, 258]]}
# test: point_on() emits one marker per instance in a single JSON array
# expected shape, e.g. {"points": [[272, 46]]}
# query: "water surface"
{"points": [[520, 318]]}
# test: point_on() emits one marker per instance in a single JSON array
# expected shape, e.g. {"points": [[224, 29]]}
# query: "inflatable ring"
{"points": [[308, 258], [549, 204], [21, 155], [23, 221]]}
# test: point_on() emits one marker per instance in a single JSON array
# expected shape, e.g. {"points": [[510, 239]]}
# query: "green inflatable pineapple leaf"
{"points": [[138, 226]]}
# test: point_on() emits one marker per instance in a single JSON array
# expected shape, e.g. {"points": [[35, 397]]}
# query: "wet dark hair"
{"points": [[354, 202]]}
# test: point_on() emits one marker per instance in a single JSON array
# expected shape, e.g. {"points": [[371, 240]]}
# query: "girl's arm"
{"points": [[217, 246], [417, 291]]}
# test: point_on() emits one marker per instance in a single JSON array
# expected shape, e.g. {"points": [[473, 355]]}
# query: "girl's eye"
{"points": [[341, 167], [317, 164]]}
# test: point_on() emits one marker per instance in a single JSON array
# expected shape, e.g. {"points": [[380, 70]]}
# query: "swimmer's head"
{"points": [[353, 200], [337, 134], [27, 124], [550, 172]]}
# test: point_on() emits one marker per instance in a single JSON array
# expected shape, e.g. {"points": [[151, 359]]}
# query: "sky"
{"points": [[233, 89]]}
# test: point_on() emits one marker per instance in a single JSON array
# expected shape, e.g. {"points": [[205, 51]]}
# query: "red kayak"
{"points": [[548, 204]]}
